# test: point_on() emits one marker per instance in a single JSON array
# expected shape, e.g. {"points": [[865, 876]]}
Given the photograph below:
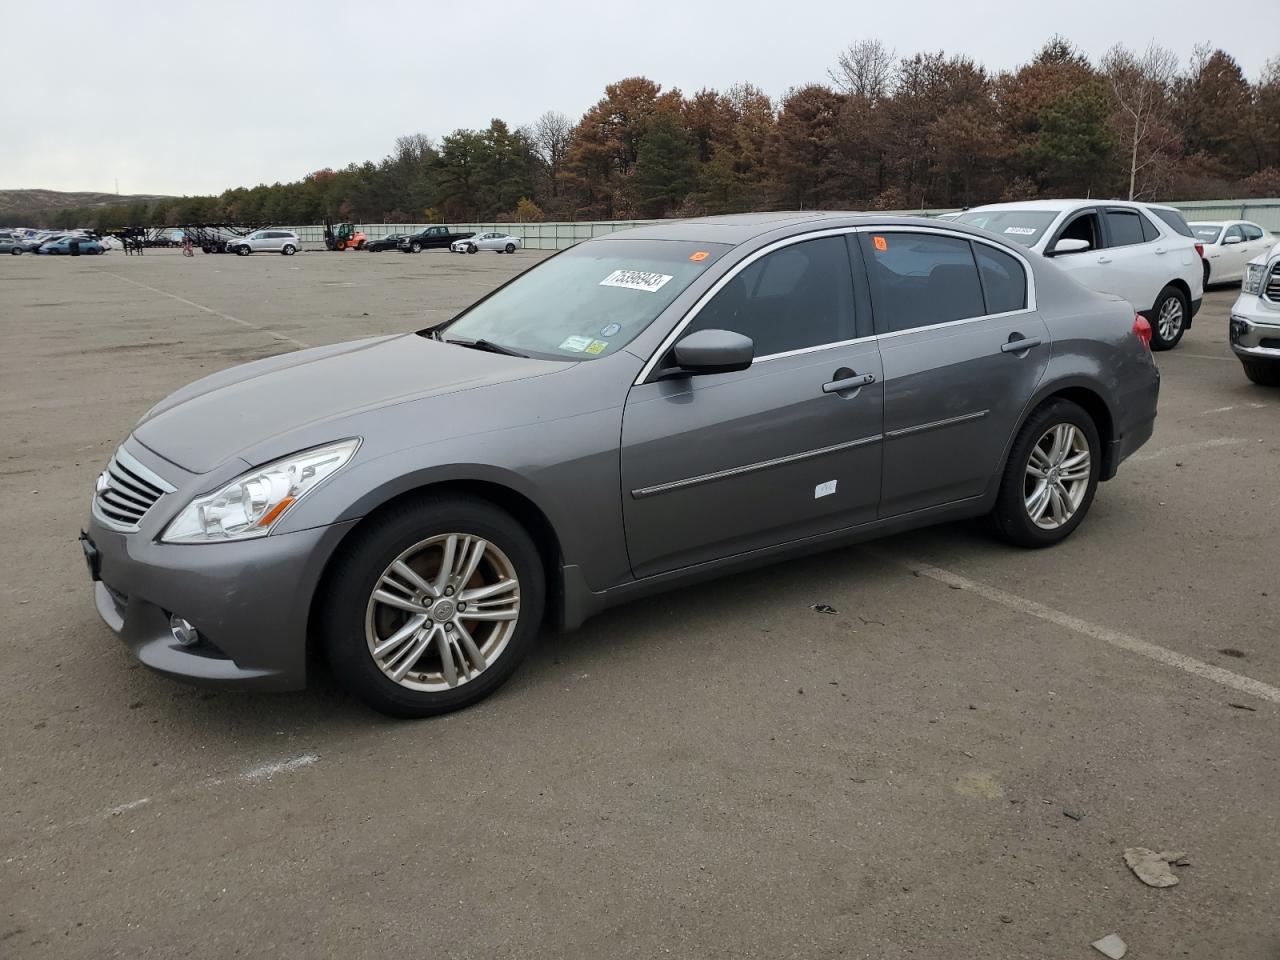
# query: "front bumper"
{"points": [[1254, 328], [250, 600]]}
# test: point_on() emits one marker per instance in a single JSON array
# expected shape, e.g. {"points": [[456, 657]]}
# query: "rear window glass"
{"points": [[919, 280], [589, 301], [1251, 232], [1021, 226], [1004, 282], [1205, 233], [1125, 227], [1174, 219]]}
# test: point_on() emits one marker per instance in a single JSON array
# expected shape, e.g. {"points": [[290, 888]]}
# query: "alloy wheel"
{"points": [[1057, 476], [1169, 320], [442, 612]]}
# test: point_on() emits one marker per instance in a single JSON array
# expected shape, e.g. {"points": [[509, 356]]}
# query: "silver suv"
{"points": [[267, 241]]}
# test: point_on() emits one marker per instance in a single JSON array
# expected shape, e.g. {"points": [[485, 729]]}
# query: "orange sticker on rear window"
{"points": [[700, 255], [880, 243]]}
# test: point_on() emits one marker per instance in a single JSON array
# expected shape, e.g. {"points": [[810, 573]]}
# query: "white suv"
{"points": [[1255, 319], [270, 241], [1142, 252]]}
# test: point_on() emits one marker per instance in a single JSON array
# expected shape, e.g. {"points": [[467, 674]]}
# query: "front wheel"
{"points": [[432, 605], [1050, 478], [472, 248], [1265, 373], [242, 251], [415, 248], [288, 249], [1169, 318], [511, 248]]}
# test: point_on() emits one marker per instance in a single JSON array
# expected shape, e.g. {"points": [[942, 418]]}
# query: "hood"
{"points": [[218, 417]]}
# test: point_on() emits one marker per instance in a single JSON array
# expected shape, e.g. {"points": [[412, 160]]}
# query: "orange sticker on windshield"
{"points": [[880, 243], [700, 255]]}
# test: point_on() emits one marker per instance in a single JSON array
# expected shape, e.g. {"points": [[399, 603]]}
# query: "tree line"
{"points": [[881, 132]]}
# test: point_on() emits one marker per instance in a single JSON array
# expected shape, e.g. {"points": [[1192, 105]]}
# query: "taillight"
{"points": [[1200, 250], [1142, 330]]}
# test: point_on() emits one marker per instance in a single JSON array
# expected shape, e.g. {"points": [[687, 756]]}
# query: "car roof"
{"points": [[739, 228]]}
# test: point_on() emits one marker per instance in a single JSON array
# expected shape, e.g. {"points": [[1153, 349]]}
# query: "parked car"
{"points": [[1254, 327], [498, 242], [390, 242], [87, 245], [431, 238], [11, 244], [1228, 246], [641, 411], [1131, 250], [33, 242], [266, 241]]}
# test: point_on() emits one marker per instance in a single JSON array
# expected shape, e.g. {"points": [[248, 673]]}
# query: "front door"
{"points": [[719, 465], [962, 357]]}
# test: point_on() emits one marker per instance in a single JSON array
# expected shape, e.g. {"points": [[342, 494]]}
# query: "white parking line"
{"points": [[1187, 448], [1204, 356], [210, 310], [1115, 638], [1234, 406]]}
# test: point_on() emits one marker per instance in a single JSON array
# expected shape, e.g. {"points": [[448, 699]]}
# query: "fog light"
{"points": [[183, 631]]}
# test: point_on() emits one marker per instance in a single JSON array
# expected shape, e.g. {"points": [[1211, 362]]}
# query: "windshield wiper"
{"points": [[489, 347]]}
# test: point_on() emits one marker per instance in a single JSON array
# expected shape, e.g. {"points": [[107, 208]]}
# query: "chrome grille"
{"points": [[125, 491], [1272, 289]]}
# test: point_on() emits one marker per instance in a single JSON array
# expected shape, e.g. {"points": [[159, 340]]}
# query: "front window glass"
{"points": [[1021, 226], [589, 301]]}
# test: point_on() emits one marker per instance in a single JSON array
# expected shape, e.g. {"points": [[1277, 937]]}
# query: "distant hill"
{"points": [[59, 199]]}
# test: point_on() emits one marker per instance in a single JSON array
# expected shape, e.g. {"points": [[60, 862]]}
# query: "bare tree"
{"points": [[414, 148], [1142, 86], [865, 69], [551, 135]]}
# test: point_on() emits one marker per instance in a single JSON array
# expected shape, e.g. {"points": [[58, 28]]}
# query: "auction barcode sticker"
{"points": [[1021, 231], [635, 280]]}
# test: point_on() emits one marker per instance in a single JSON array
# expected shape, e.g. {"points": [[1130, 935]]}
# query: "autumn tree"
{"points": [[806, 152]]}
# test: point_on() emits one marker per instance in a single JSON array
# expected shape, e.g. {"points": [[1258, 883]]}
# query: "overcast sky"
{"points": [[197, 97]]}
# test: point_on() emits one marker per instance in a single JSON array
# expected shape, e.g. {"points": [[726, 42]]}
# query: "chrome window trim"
{"points": [[934, 424], [737, 268]]}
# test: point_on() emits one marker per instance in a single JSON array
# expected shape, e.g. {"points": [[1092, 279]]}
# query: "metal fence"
{"points": [[557, 235]]}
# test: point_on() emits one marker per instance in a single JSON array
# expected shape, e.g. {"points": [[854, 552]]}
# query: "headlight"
{"points": [[1253, 274], [252, 504]]}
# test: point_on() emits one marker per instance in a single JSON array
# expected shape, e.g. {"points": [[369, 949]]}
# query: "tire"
{"points": [[1265, 373], [1012, 516], [1206, 274], [415, 248], [288, 250], [352, 621], [1174, 302], [511, 248], [16, 251], [472, 248], [242, 251]]}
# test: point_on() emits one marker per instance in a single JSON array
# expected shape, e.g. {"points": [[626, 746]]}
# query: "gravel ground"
{"points": [[949, 765]]}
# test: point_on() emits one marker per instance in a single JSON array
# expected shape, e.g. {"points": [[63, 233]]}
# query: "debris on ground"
{"points": [[1111, 946], [1153, 868], [823, 608], [1242, 706], [1232, 652], [1072, 814]]}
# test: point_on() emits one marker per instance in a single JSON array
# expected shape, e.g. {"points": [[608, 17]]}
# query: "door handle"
{"points": [[1019, 344], [1104, 259], [849, 383], [1160, 250]]}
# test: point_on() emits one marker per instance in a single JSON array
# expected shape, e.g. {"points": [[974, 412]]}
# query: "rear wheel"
{"points": [[1169, 318], [288, 249], [1265, 373], [432, 606], [1050, 478], [16, 251], [1206, 272]]}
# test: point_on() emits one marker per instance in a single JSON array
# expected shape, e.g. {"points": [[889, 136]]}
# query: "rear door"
{"points": [[719, 465], [1139, 267], [963, 350]]}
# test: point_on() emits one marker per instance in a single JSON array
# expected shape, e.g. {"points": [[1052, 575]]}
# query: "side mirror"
{"points": [[712, 351], [1069, 245], [1229, 240]]}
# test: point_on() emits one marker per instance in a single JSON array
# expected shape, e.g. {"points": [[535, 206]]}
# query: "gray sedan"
{"points": [[640, 411]]}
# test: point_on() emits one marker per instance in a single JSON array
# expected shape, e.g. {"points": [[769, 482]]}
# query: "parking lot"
{"points": [[932, 746]]}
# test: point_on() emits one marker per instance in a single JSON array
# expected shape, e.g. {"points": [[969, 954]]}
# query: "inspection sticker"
{"points": [[610, 329], [1021, 231], [596, 347], [636, 280], [576, 344]]}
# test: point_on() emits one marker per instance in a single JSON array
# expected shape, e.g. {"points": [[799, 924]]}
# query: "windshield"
{"points": [[1206, 232], [587, 302], [1021, 226]]}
